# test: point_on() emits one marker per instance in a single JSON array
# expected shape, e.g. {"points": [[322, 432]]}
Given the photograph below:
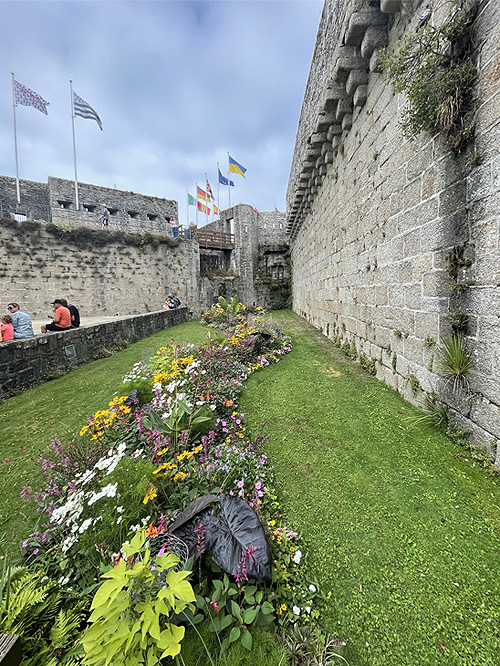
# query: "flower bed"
{"points": [[171, 501]]}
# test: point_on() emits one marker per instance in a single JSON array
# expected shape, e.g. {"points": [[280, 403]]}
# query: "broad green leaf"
{"points": [[267, 608], [170, 639], [246, 639], [250, 615], [234, 635], [236, 610]]}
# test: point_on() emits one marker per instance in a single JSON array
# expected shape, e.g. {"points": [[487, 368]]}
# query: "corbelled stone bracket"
{"points": [[365, 32]]}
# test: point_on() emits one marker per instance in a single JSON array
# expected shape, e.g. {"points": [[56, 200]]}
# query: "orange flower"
{"points": [[228, 403]]}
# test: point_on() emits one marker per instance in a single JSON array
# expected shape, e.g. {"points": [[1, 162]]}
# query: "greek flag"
{"points": [[84, 110]]}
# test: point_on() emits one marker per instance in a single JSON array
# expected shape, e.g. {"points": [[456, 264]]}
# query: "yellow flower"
{"points": [[150, 495]]}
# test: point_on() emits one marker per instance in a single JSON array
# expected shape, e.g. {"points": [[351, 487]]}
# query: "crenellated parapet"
{"points": [[350, 36]]}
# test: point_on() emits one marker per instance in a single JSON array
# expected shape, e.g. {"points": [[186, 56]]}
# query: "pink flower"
{"points": [[215, 606], [258, 485], [7, 461], [240, 483]]}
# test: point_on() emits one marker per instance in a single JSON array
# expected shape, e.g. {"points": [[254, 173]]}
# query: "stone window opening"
{"points": [[89, 208], [133, 214], [20, 217], [113, 211], [64, 204], [246, 228], [151, 217]]}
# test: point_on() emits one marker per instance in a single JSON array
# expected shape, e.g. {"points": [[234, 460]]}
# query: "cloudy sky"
{"points": [[177, 85]]}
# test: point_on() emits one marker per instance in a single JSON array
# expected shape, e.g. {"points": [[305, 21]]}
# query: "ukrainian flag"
{"points": [[235, 167]]}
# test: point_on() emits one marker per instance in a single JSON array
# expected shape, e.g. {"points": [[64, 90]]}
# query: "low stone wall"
{"points": [[24, 363]]}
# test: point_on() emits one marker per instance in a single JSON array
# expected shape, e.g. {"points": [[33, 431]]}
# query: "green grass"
{"points": [[58, 409], [405, 536]]}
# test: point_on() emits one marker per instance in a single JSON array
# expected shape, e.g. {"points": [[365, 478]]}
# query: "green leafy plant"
{"points": [[435, 68], [414, 383], [232, 609], [134, 610], [368, 364], [48, 620], [434, 412], [308, 646], [455, 360]]}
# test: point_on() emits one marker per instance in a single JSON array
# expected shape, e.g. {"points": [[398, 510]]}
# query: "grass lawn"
{"points": [[403, 535]]}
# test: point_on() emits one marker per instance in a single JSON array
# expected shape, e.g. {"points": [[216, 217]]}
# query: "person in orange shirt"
{"points": [[61, 319], [6, 329]]}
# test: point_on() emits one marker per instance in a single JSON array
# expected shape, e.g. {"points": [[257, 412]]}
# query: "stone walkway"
{"points": [[85, 321]]}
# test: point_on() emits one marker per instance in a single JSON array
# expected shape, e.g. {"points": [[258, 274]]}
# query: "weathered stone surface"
{"points": [[377, 239]]}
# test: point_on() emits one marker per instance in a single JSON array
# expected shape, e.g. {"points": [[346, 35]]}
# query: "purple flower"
{"points": [[258, 485], [36, 551], [25, 543], [240, 483]]}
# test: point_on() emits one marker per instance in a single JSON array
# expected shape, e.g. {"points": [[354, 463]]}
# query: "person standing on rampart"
{"points": [[175, 227], [104, 217], [23, 328]]}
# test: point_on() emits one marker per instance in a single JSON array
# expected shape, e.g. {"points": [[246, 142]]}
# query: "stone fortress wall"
{"points": [[102, 276], [56, 202], [375, 218], [49, 254]]}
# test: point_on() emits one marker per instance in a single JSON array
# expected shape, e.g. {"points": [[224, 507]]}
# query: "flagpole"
{"points": [[74, 142], [228, 179], [218, 183], [15, 138], [196, 204], [187, 209]]}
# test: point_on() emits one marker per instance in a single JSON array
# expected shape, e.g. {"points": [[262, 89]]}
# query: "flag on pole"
{"points": [[203, 208], [84, 110], [201, 194], [27, 97], [191, 200], [223, 180], [216, 210], [209, 191], [235, 167]]}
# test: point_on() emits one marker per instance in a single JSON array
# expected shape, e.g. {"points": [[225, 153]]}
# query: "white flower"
{"points": [[297, 556], [135, 528], [312, 588], [308, 609], [119, 509], [85, 525], [119, 520], [296, 610]]}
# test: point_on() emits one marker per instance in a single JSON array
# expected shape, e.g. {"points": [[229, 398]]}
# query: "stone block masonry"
{"points": [[24, 363], [102, 273], [393, 240]]}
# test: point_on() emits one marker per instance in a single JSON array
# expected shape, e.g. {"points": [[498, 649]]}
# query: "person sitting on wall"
{"points": [[172, 303], [21, 321], [6, 329], [61, 318], [75, 315]]}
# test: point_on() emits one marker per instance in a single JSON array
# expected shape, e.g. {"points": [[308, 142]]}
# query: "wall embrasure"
{"points": [[383, 228]]}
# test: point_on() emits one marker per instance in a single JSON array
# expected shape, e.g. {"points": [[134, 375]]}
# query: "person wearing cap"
{"points": [[21, 321], [61, 318]]}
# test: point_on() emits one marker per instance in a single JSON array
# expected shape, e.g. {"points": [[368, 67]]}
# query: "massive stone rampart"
{"points": [[103, 273], [394, 241]]}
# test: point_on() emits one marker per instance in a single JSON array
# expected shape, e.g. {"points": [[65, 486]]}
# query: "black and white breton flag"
{"points": [[85, 110]]}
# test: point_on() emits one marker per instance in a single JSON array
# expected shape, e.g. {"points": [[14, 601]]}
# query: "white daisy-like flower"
{"points": [[297, 556], [85, 525], [296, 610], [312, 588]]}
